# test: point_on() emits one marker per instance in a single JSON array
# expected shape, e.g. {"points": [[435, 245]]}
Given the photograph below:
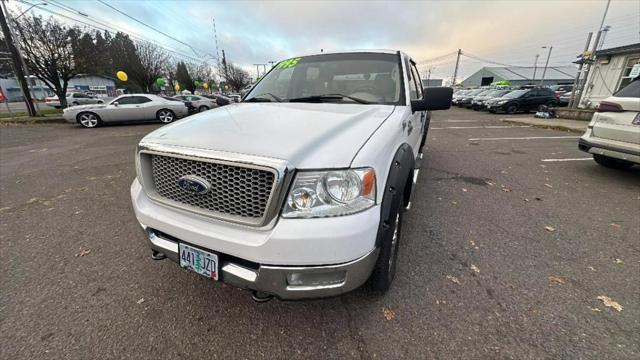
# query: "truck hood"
{"points": [[306, 135]]}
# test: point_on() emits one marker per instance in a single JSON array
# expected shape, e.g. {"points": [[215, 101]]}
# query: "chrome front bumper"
{"points": [[275, 280]]}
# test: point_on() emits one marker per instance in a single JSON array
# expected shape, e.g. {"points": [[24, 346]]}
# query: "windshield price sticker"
{"points": [[288, 63]]}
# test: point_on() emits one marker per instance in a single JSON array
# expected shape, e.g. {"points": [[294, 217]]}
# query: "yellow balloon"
{"points": [[205, 85], [177, 87], [122, 76]]}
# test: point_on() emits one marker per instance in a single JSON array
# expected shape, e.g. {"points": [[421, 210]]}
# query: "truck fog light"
{"points": [[316, 279]]}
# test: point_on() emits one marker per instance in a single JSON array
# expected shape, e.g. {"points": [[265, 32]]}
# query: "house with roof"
{"points": [[521, 75], [612, 70]]}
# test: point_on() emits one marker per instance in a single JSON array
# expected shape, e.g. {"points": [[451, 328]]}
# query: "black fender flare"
{"points": [[399, 171]]}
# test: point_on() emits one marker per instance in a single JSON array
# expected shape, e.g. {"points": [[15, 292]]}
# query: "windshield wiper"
{"points": [[319, 98], [260, 98]]}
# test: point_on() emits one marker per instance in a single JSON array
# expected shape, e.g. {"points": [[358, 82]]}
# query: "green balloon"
{"points": [[160, 82], [196, 83]]}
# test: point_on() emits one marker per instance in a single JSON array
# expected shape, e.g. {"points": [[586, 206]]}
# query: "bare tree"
{"points": [[235, 77], [153, 62], [201, 72], [46, 45]]}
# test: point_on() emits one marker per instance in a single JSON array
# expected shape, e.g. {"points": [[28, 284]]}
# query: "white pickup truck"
{"points": [[298, 191]]}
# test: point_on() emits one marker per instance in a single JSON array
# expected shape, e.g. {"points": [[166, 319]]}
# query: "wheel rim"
{"points": [[88, 120], [511, 109], [394, 246], [166, 116]]}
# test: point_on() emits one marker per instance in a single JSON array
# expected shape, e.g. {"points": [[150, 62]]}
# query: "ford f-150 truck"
{"points": [[299, 190]]}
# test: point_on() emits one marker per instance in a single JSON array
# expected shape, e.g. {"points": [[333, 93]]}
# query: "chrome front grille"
{"points": [[239, 193]]}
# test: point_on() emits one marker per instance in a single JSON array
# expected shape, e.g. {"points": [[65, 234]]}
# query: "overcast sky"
{"points": [[251, 32]]}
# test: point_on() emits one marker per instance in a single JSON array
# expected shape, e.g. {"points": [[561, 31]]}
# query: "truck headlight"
{"points": [[330, 193]]}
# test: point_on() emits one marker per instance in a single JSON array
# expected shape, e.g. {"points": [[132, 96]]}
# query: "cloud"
{"points": [[257, 32]]}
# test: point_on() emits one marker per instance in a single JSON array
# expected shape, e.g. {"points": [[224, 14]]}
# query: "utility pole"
{"points": [[257, 70], [576, 81], [455, 71], [583, 82], [264, 69], [224, 64], [592, 59], [535, 68], [18, 62], [544, 72]]}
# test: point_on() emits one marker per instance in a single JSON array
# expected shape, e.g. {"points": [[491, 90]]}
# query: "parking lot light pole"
{"points": [[544, 72], [535, 68]]}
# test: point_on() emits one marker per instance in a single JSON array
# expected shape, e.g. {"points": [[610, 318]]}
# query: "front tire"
{"points": [[202, 108], [611, 162], [512, 109], [166, 116], [88, 120], [385, 269]]}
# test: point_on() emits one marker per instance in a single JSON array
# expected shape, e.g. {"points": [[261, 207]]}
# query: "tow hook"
{"points": [[157, 255], [260, 297]]}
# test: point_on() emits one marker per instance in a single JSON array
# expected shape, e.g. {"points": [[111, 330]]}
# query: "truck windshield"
{"points": [[354, 78]]}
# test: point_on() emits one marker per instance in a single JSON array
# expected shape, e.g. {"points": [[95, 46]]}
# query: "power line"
{"points": [[112, 28], [150, 27]]}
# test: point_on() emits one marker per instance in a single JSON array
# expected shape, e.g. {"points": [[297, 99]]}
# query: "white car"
{"points": [[199, 103], [300, 190], [73, 99], [131, 107], [613, 135]]}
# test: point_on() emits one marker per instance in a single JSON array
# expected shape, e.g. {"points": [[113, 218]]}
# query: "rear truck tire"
{"points": [[100, 102], [391, 216], [203, 108], [88, 119], [492, 111], [611, 162], [75, 103], [511, 109], [165, 116]]}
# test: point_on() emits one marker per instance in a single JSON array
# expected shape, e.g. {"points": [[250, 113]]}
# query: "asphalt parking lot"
{"points": [[512, 237]]}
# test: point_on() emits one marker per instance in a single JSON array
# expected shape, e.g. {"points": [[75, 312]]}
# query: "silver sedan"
{"points": [[130, 107]]}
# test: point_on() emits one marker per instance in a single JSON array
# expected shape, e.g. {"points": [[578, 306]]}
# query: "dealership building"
{"points": [[101, 86], [521, 75]]}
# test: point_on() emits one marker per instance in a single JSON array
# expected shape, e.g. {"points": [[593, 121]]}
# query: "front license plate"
{"points": [[199, 261]]}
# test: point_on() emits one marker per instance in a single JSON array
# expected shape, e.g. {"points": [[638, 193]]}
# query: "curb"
{"points": [[27, 120], [549, 126]]}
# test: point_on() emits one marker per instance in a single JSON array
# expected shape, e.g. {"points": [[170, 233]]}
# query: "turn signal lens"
{"points": [[368, 182]]}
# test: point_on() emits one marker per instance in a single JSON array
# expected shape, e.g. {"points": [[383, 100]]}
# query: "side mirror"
{"points": [[115, 103], [435, 98]]}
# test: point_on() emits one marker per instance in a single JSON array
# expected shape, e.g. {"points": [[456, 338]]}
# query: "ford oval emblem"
{"points": [[194, 184]]}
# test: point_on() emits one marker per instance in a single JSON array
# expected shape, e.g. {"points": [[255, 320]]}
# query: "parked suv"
{"points": [[613, 135], [523, 100], [299, 191], [73, 99]]}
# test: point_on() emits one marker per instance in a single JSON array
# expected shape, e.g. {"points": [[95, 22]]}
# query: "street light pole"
{"points": [[544, 72], [535, 68]]}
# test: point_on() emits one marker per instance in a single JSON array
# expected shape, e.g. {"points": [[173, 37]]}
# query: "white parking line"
{"points": [[461, 121], [480, 127], [562, 160], [524, 138]]}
